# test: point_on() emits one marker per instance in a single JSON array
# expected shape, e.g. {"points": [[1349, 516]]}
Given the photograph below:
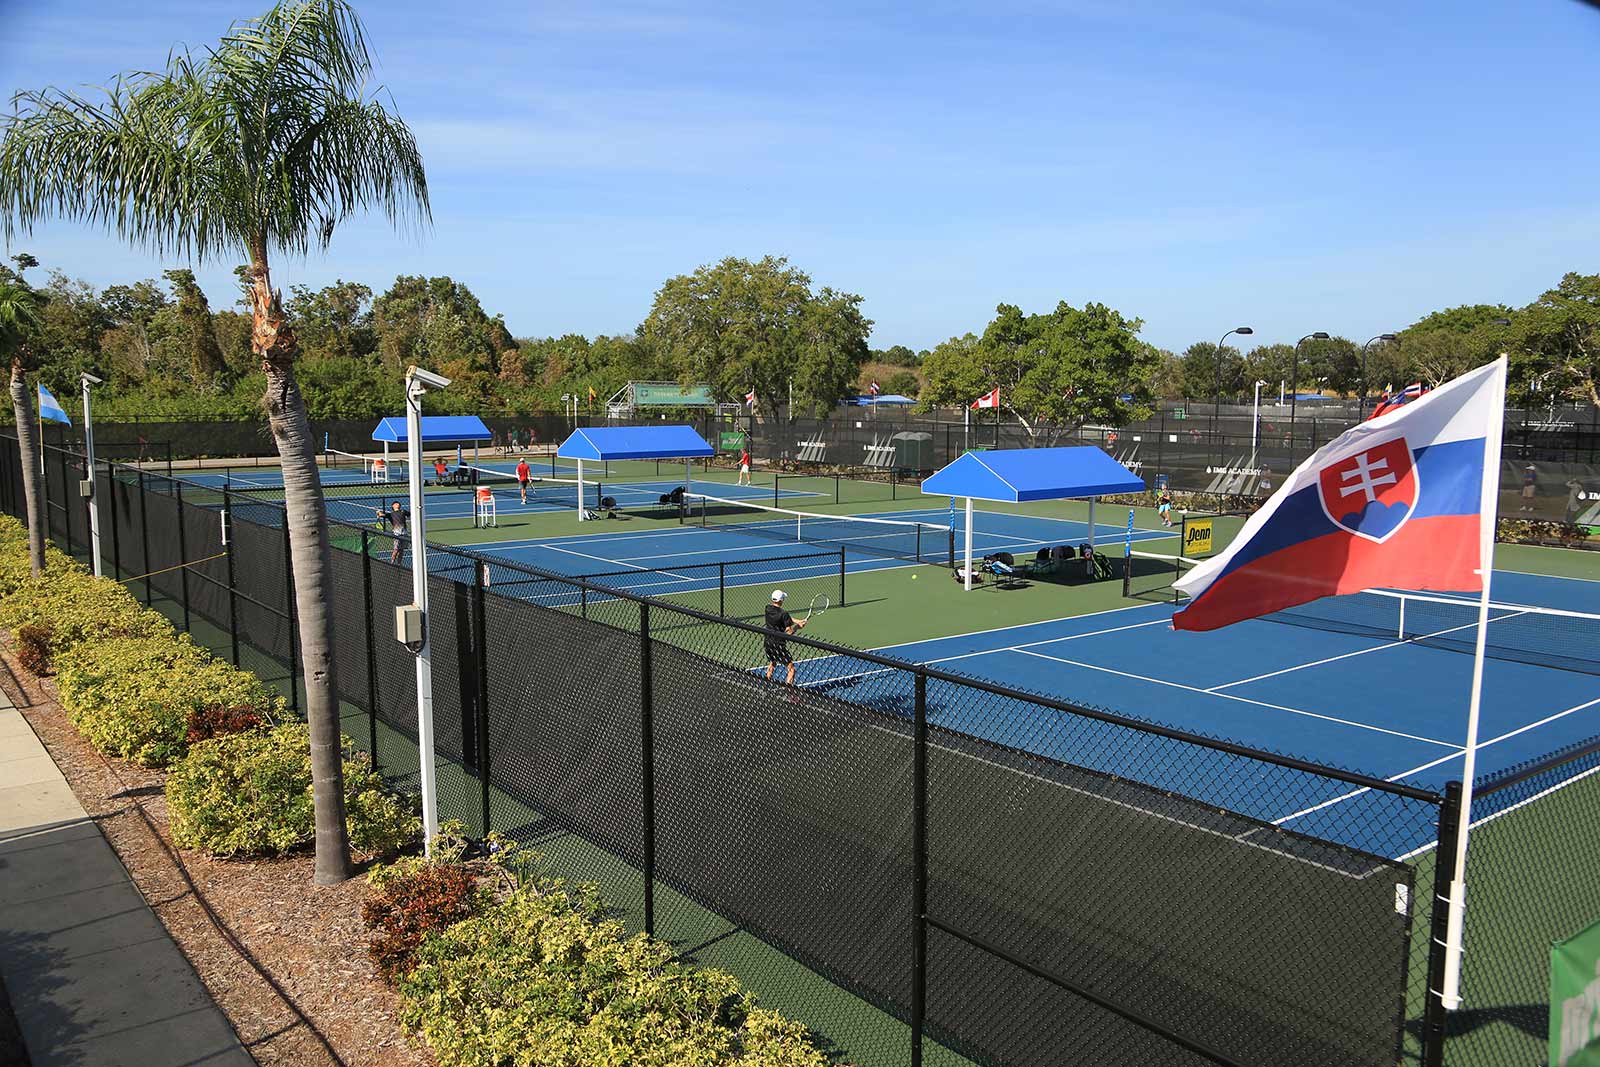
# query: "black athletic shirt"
{"points": [[397, 520], [778, 619]]}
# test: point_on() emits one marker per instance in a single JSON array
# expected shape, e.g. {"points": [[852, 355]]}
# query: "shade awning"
{"points": [[635, 442], [1016, 474], [438, 428]]}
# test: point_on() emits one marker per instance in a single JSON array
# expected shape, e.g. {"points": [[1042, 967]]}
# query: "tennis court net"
{"points": [[919, 542], [1519, 633], [375, 468], [546, 492]]}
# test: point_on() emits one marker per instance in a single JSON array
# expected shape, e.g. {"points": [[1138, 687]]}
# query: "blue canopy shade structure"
{"points": [[635, 442], [1013, 475], [1017, 474], [439, 428], [892, 399]]}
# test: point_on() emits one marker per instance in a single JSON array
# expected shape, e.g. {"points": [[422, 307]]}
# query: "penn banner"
{"points": [[1197, 537], [1575, 1000]]}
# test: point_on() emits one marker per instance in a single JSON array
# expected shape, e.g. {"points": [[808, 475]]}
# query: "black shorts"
{"points": [[778, 652]]}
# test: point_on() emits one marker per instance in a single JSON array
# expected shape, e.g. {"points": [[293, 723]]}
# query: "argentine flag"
{"points": [[50, 408]]}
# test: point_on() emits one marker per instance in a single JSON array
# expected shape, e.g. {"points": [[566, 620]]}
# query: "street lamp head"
{"points": [[1387, 337], [1260, 383], [1245, 330], [1500, 322], [89, 379], [1320, 335]]}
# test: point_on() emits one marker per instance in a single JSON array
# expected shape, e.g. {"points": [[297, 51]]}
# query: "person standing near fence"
{"points": [[744, 466], [398, 520], [780, 624]]}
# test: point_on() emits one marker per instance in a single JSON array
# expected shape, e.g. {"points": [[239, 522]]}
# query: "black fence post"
{"points": [[183, 553], [919, 870], [372, 651], [289, 619], [1444, 872], [841, 576], [144, 538], [647, 750], [722, 587], [480, 639], [233, 599], [116, 524]]}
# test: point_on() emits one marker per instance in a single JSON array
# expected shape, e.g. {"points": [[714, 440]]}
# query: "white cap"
{"points": [[779, 596]]}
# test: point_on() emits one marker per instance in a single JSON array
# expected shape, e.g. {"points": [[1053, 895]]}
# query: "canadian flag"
{"points": [[750, 398], [990, 399]]}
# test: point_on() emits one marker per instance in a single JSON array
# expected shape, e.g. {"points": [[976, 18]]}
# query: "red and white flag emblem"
{"points": [[1372, 493]]}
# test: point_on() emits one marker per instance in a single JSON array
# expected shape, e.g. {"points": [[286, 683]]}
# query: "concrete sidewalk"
{"points": [[93, 976]]}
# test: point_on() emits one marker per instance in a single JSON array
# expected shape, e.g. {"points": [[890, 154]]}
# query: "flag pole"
{"points": [[1488, 510]]}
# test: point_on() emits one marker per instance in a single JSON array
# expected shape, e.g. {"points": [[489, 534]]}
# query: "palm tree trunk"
{"points": [[28, 445], [274, 341]]}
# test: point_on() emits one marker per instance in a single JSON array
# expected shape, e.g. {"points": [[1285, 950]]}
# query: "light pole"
{"points": [[1255, 420], [1361, 412], [1216, 400], [412, 628], [1294, 386], [89, 485]]}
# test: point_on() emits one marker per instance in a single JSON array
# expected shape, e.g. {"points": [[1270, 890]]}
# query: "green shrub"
{"points": [[249, 794], [540, 980], [78, 607], [133, 696]]}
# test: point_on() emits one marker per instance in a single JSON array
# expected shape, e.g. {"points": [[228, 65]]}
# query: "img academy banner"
{"points": [[1396, 502]]}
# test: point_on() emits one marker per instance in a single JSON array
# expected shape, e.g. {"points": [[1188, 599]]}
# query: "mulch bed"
{"points": [[285, 959]]}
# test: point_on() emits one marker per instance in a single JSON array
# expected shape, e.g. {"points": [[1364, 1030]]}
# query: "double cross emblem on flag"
{"points": [[1372, 493]]}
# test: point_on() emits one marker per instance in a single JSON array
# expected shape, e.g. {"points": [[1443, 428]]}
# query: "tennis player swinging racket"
{"points": [[780, 624]]}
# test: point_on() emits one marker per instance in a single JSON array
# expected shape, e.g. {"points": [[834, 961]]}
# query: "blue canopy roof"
{"points": [[1018, 474], [635, 442], [436, 428], [886, 398]]}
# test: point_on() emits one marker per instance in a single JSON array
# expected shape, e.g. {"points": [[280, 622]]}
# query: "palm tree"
{"points": [[262, 144], [19, 325]]}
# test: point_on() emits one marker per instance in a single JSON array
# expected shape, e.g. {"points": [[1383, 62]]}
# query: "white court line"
{"points": [[1507, 811], [1242, 700], [613, 562], [1557, 577], [1443, 759], [1334, 659]]}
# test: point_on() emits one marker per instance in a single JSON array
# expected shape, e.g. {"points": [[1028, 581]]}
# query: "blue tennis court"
{"points": [[1389, 708]]}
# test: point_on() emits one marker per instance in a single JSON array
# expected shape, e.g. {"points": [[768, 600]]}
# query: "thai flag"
{"points": [[50, 408], [1406, 500], [991, 399], [1400, 399]]}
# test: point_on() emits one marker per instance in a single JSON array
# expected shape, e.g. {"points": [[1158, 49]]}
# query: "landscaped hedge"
{"points": [[542, 979], [134, 696], [249, 794]]}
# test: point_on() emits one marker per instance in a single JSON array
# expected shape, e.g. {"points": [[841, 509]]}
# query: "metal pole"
{"points": [[1091, 525], [722, 588], [372, 650], [480, 638], [842, 569], [88, 455], [419, 597], [183, 553], [968, 578], [116, 527], [919, 870], [1444, 872], [233, 599], [144, 537], [580, 489], [647, 742]]}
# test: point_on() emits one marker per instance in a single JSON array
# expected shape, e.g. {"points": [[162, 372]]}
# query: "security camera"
{"points": [[91, 379], [428, 378]]}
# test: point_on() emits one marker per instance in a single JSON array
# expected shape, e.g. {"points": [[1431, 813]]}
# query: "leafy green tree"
{"points": [[1068, 366], [903, 383], [895, 356], [334, 322], [1557, 338], [1334, 363], [206, 365], [436, 321], [263, 144], [1268, 363], [21, 322], [739, 325], [1200, 378]]}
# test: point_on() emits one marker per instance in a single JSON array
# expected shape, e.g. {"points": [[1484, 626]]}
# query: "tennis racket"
{"points": [[819, 605]]}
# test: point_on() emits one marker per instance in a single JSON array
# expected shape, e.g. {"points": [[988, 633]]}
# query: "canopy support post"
{"points": [[1091, 524], [580, 489], [968, 568]]}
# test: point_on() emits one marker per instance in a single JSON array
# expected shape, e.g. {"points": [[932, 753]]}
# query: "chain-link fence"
{"points": [[924, 867]]}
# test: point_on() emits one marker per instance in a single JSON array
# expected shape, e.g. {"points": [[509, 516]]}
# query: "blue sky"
{"points": [[1201, 165]]}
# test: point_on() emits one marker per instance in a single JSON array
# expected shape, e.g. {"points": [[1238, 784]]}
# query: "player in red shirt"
{"points": [[522, 478]]}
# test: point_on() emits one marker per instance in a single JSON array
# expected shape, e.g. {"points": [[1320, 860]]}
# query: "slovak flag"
{"points": [[1400, 399], [873, 389], [750, 398], [1406, 500], [991, 399]]}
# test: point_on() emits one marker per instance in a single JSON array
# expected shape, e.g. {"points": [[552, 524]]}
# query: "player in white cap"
{"points": [[780, 624]]}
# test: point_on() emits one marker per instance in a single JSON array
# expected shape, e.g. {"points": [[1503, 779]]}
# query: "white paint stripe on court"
{"points": [[1508, 810], [1442, 760], [1242, 700], [1334, 659], [612, 562]]}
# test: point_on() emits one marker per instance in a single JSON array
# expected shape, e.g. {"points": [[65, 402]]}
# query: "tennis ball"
{"points": [[913, 577]]}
